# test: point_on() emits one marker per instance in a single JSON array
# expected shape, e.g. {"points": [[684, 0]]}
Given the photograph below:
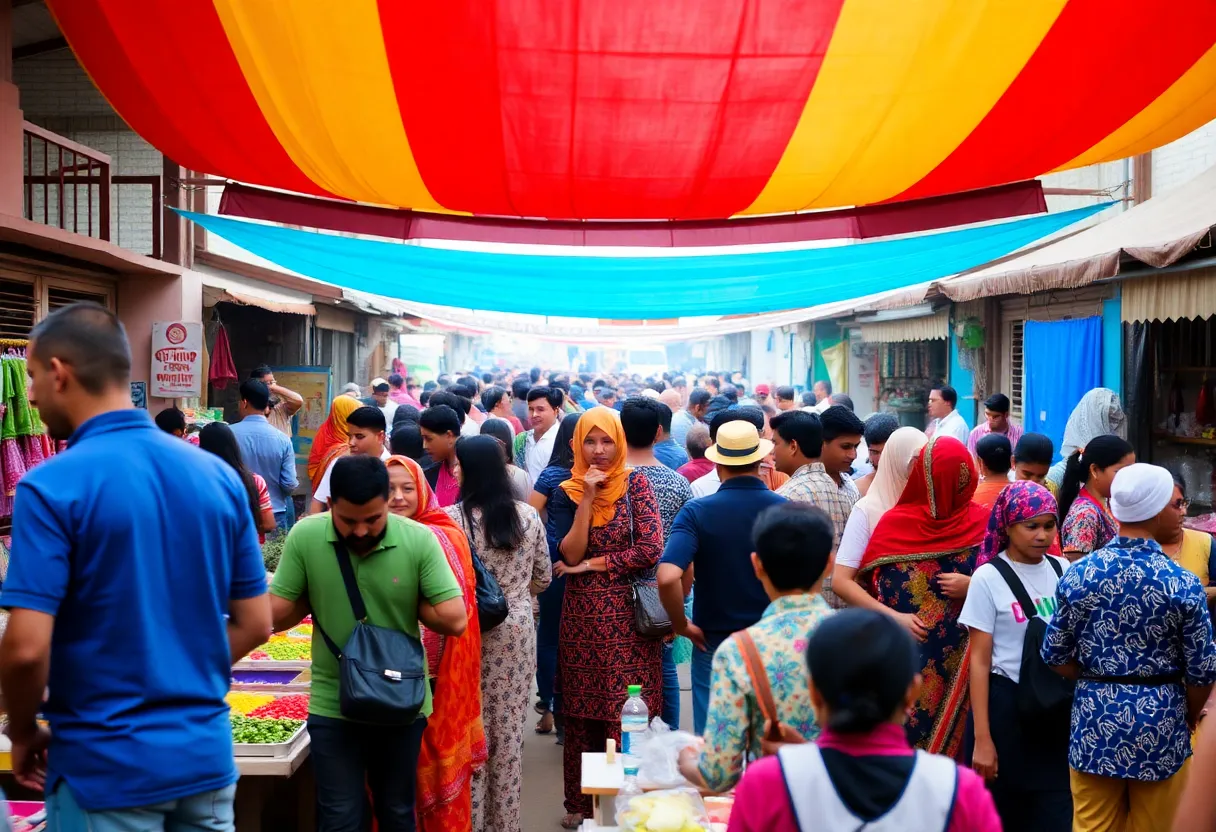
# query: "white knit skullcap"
{"points": [[1140, 492]]}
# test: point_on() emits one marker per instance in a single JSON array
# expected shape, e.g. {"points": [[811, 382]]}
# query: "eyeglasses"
{"points": [[1181, 504]]}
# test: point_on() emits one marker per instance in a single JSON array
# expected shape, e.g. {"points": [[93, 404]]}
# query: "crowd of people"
{"points": [[917, 629]]}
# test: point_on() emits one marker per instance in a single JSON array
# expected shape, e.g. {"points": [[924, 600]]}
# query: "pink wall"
{"points": [[142, 301]]}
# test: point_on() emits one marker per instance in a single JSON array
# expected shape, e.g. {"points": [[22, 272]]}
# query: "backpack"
{"points": [[1044, 696]]}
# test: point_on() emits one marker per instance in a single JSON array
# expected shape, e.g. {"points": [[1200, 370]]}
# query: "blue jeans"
{"points": [[702, 670], [671, 689], [206, 812], [546, 642], [349, 758]]}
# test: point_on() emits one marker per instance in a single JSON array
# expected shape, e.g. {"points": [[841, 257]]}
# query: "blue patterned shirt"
{"points": [[1128, 610]]}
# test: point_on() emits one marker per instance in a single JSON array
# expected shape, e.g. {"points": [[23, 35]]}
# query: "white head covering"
{"points": [[894, 468], [1140, 492], [1097, 413]]}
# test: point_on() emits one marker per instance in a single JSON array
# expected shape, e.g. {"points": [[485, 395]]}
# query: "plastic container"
{"points": [[635, 717]]}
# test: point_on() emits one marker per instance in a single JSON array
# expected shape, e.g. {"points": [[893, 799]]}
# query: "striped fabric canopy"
{"points": [[647, 109]]}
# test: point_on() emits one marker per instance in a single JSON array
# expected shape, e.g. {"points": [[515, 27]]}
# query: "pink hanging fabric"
{"points": [[223, 370]]}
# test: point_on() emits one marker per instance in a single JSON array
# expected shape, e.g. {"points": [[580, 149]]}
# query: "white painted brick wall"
{"points": [[57, 94], [1184, 159]]}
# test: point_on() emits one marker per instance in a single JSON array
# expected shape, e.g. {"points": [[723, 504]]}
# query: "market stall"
{"points": [[603, 775], [905, 357]]}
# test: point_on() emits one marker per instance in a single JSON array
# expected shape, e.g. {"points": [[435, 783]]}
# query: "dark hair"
{"points": [[605, 393], [396, 379], [563, 454], [358, 480], [665, 416], [424, 397], [550, 394], [698, 397], [785, 393], [405, 413], [697, 441], [803, 428], [1179, 483], [383, 387], [640, 420], [469, 382], [485, 485], [994, 451], [744, 414], [464, 391], [731, 392], [842, 399], [793, 542], [256, 393], [862, 663], [88, 338], [491, 396], [487, 378], [997, 403], [808, 398], [217, 438], [879, 427], [949, 394], [442, 398], [430, 386], [260, 372], [534, 375], [560, 384], [827, 385], [520, 388], [501, 430], [171, 420], [440, 418], [1102, 451], [838, 421], [367, 417], [1034, 448], [407, 440]]}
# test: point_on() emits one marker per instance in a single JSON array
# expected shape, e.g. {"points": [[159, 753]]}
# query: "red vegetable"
{"points": [[286, 707]]}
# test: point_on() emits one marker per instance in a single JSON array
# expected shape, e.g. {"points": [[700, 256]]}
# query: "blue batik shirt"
{"points": [[1128, 610]]}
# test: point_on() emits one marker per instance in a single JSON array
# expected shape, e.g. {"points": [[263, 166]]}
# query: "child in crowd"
{"points": [[861, 772]]}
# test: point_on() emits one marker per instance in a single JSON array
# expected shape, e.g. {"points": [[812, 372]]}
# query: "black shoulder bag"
{"points": [[381, 671], [650, 619], [1044, 696], [492, 608]]}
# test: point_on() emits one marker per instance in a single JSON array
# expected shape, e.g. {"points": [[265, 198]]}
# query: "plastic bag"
{"points": [[658, 754], [670, 810]]}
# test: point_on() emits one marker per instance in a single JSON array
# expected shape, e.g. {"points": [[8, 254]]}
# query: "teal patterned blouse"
{"points": [[734, 723]]}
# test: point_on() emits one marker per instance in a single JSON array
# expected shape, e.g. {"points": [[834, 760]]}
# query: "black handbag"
{"points": [[1044, 696], [492, 607], [650, 619], [381, 671]]}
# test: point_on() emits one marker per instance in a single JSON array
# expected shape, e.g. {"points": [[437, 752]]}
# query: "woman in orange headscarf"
{"points": [[454, 743], [332, 439], [606, 519], [918, 564]]}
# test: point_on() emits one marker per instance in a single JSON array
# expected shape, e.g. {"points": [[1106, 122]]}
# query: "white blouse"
{"points": [[855, 539]]}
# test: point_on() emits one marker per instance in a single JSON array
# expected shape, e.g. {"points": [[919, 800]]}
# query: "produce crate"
{"points": [[272, 664], [272, 749]]}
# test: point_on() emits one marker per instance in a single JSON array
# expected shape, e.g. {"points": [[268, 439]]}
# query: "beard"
{"points": [[58, 426], [361, 545]]}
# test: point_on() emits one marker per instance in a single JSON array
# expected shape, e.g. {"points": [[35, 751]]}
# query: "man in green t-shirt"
{"points": [[404, 578]]}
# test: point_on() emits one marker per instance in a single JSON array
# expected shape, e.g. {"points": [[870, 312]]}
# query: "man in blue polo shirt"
{"points": [[129, 549], [714, 534], [265, 449]]}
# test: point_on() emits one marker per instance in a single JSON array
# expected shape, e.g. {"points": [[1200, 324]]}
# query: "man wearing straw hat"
{"points": [[715, 534]]}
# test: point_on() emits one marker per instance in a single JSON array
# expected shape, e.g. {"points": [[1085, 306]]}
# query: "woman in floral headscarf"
{"points": [[454, 743], [918, 563], [1024, 762]]}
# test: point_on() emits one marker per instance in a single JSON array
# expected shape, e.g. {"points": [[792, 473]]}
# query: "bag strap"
{"points": [[1017, 587], [1055, 564], [759, 678], [352, 593]]}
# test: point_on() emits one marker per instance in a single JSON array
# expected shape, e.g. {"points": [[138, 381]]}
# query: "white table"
{"points": [[602, 779]]}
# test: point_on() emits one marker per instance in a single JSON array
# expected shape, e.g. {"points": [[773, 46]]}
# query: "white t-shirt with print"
{"points": [[321, 495], [992, 608]]}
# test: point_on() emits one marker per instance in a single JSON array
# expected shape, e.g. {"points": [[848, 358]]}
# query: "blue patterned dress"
{"points": [[1128, 610]]}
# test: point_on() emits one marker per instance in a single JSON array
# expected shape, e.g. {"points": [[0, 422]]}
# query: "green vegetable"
{"points": [[272, 550], [246, 729]]}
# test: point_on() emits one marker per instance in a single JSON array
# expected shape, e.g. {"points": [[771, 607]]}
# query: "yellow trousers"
{"points": [[1110, 804]]}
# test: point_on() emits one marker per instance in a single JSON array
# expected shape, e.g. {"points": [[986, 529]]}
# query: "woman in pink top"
{"points": [[861, 772]]}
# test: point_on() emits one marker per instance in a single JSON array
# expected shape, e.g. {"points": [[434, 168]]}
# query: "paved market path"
{"points": [[542, 790]]}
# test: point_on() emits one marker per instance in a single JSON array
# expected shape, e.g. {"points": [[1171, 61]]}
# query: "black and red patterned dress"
{"points": [[599, 652]]}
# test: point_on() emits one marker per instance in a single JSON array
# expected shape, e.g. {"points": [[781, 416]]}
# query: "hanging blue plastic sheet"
{"points": [[1061, 362], [634, 287]]}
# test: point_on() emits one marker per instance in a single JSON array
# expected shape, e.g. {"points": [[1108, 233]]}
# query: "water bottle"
{"points": [[630, 787], [634, 717]]}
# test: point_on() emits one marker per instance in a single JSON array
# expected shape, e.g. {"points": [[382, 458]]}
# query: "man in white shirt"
{"points": [[946, 420], [544, 409], [710, 483], [366, 426], [381, 391]]}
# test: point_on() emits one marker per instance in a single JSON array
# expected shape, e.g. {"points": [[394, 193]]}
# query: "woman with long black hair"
{"points": [[217, 438], [509, 539], [1085, 521], [550, 601]]}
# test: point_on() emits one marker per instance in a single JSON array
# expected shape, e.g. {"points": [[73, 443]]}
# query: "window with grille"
{"points": [[57, 297], [18, 308], [1016, 379]]}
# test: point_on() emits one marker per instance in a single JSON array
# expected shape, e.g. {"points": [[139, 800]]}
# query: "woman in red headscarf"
{"points": [[918, 564], [454, 743]]}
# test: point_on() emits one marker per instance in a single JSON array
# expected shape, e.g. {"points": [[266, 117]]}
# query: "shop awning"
{"points": [[1158, 233], [933, 327], [234, 288], [1170, 297]]}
